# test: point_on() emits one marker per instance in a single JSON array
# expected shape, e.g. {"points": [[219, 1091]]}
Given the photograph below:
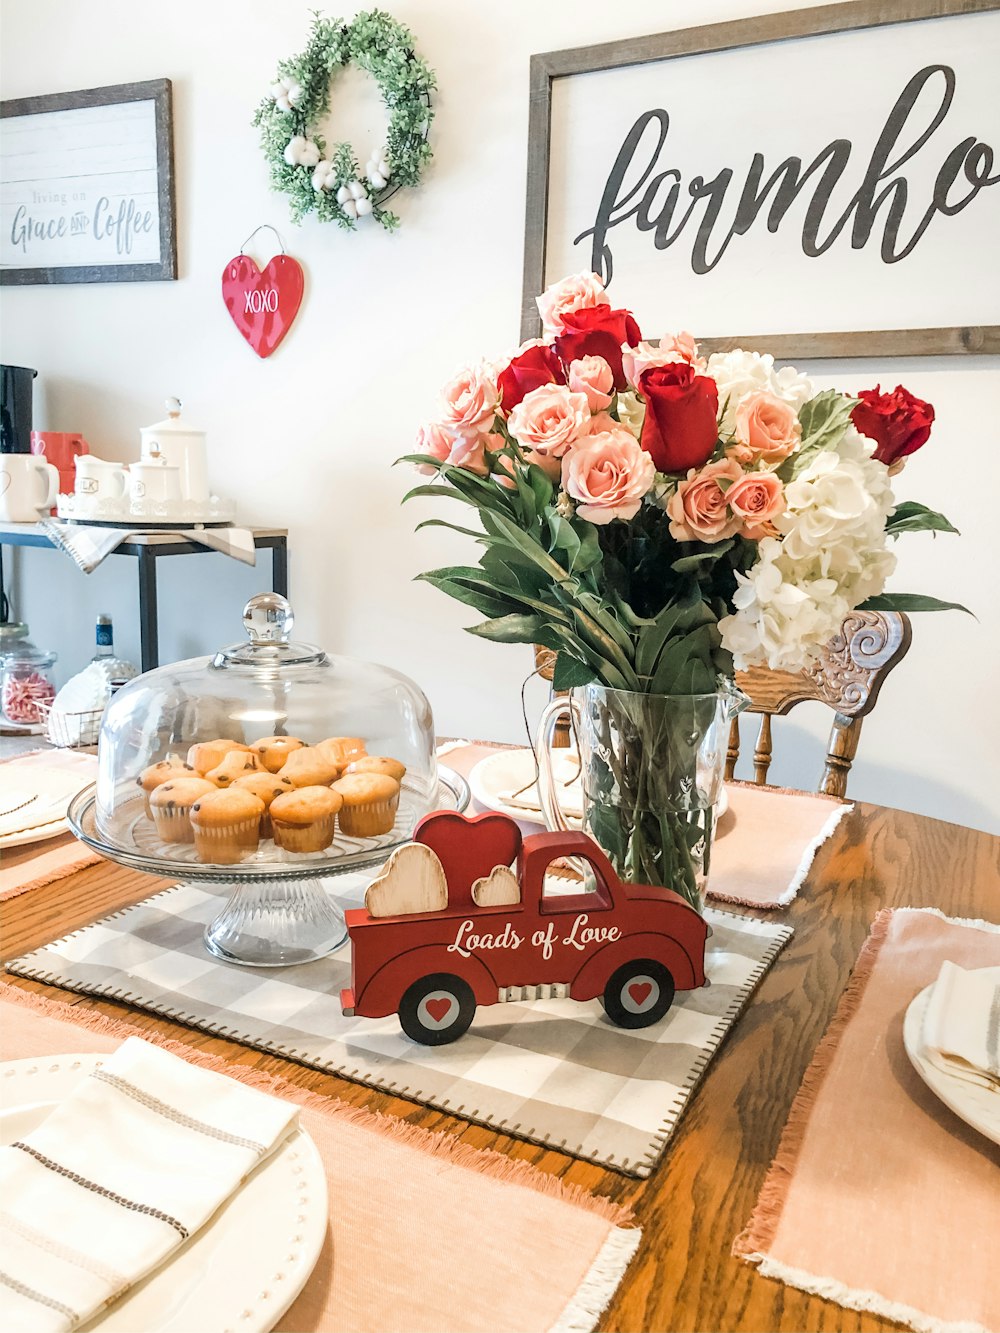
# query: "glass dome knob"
{"points": [[268, 618]]}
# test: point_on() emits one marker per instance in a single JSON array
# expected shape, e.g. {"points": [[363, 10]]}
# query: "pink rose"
{"points": [[673, 347], [766, 428], [592, 376], [433, 439], [469, 400], [578, 292], [467, 452], [608, 474], [699, 508], [756, 500], [549, 419]]}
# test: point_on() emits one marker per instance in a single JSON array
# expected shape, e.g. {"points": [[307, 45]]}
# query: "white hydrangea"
{"points": [[831, 555], [739, 373], [631, 412]]}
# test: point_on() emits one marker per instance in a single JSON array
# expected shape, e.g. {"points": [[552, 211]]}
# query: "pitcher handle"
{"points": [[552, 811]]}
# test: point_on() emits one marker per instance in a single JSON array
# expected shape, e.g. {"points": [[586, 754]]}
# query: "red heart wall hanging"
{"points": [[263, 302]]}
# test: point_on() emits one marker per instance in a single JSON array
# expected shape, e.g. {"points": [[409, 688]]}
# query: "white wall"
{"points": [[306, 439]]}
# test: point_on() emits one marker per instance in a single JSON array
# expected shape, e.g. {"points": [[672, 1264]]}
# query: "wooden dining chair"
{"points": [[847, 678]]}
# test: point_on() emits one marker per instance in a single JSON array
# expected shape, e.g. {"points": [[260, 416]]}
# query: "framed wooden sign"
{"points": [[820, 183], [87, 186]]}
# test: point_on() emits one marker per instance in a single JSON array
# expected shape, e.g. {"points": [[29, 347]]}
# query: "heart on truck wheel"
{"points": [[438, 1009], [263, 302], [639, 992]]}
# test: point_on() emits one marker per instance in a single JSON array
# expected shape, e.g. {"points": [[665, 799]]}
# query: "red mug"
{"points": [[61, 449]]}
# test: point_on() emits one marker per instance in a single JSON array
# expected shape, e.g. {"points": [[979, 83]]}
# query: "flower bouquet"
{"points": [[659, 519]]}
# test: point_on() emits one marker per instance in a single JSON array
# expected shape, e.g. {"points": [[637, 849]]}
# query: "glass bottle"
{"points": [[117, 670]]}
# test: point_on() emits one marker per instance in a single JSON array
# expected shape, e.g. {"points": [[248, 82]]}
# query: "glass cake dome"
{"points": [[289, 699], [264, 687]]}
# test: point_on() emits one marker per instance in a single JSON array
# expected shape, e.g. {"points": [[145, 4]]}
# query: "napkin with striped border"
{"points": [[129, 1166]]}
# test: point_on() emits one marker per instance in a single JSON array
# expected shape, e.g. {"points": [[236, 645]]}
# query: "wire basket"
{"points": [[71, 730]]}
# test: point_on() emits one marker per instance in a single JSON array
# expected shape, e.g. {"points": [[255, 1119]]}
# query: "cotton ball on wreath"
{"points": [[324, 176], [353, 199], [286, 93], [301, 152], [377, 169]]}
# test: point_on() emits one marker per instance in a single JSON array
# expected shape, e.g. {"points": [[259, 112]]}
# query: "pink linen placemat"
{"points": [[880, 1198], [427, 1235], [764, 844], [40, 863]]}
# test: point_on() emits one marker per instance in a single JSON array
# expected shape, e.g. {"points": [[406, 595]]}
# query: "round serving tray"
{"points": [[142, 849]]}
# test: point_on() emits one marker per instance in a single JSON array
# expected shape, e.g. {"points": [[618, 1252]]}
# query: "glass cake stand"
{"points": [[279, 912]]}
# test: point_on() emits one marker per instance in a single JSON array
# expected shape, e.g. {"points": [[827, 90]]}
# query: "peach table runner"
{"points": [[880, 1198], [764, 844], [426, 1235]]}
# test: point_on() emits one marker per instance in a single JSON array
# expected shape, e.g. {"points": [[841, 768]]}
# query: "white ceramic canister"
{"points": [[155, 480], [181, 447]]}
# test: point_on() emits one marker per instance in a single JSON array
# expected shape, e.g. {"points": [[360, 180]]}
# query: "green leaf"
{"points": [[570, 672], [693, 563], [823, 421], [436, 492], [911, 601], [913, 517], [443, 523], [513, 628]]}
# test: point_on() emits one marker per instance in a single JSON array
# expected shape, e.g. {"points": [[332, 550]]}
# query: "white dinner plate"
{"points": [[976, 1106], [40, 834], [494, 779], [244, 1268]]}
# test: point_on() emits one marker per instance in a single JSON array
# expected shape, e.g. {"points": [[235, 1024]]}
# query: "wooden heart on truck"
{"points": [[469, 847]]}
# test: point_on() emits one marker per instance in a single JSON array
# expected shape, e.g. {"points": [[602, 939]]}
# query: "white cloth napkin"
{"points": [[88, 546], [961, 1031], [118, 1176]]}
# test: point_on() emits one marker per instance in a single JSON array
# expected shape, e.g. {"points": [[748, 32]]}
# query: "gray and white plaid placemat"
{"points": [[556, 1072]]}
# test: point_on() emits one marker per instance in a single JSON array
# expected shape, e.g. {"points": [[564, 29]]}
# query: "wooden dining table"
{"points": [[704, 1189]]}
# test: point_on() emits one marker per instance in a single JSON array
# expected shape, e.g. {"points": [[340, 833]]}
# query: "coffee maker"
{"points": [[15, 409], [15, 438]]}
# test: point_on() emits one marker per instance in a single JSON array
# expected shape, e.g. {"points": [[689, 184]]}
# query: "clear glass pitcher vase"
{"points": [[651, 778]]}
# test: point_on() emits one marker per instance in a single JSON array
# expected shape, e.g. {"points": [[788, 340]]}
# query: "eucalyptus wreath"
{"points": [[327, 179]]}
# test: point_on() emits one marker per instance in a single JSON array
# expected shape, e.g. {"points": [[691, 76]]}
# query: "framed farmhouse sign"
{"points": [[87, 186], [820, 183]]}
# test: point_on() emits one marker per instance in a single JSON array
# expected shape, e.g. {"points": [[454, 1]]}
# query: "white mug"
{"points": [[28, 487], [157, 482], [98, 479]]}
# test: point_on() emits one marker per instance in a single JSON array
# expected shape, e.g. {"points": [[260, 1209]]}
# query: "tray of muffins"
{"points": [[279, 807]]}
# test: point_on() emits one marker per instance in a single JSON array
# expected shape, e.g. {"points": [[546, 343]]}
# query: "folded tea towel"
{"points": [[961, 1030], [134, 1161], [88, 546]]}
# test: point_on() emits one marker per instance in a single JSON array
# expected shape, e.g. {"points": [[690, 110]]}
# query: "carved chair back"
{"points": [[847, 678]]}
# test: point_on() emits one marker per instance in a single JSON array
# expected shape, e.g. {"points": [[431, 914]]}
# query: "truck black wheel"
{"points": [[638, 993], [437, 1009]]}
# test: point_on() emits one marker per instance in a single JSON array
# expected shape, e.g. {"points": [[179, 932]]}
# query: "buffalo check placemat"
{"points": [[556, 1072]]}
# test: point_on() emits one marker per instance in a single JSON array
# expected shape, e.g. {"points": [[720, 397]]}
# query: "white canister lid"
{"points": [[172, 423]]}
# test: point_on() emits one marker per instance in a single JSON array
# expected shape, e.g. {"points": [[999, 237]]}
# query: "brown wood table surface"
{"points": [[701, 1194]]}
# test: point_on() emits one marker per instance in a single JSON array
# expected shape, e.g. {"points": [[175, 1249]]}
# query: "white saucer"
{"points": [[976, 1106], [244, 1268]]}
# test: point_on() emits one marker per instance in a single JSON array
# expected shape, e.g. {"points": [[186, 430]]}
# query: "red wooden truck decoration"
{"points": [[448, 925]]}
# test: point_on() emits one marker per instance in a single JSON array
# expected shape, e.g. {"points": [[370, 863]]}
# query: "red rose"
{"points": [[681, 427], [897, 422], [530, 370], [598, 331]]}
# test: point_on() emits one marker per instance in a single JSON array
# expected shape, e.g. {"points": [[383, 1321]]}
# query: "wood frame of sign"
{"points": [[769, 28], [158, 91]]}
